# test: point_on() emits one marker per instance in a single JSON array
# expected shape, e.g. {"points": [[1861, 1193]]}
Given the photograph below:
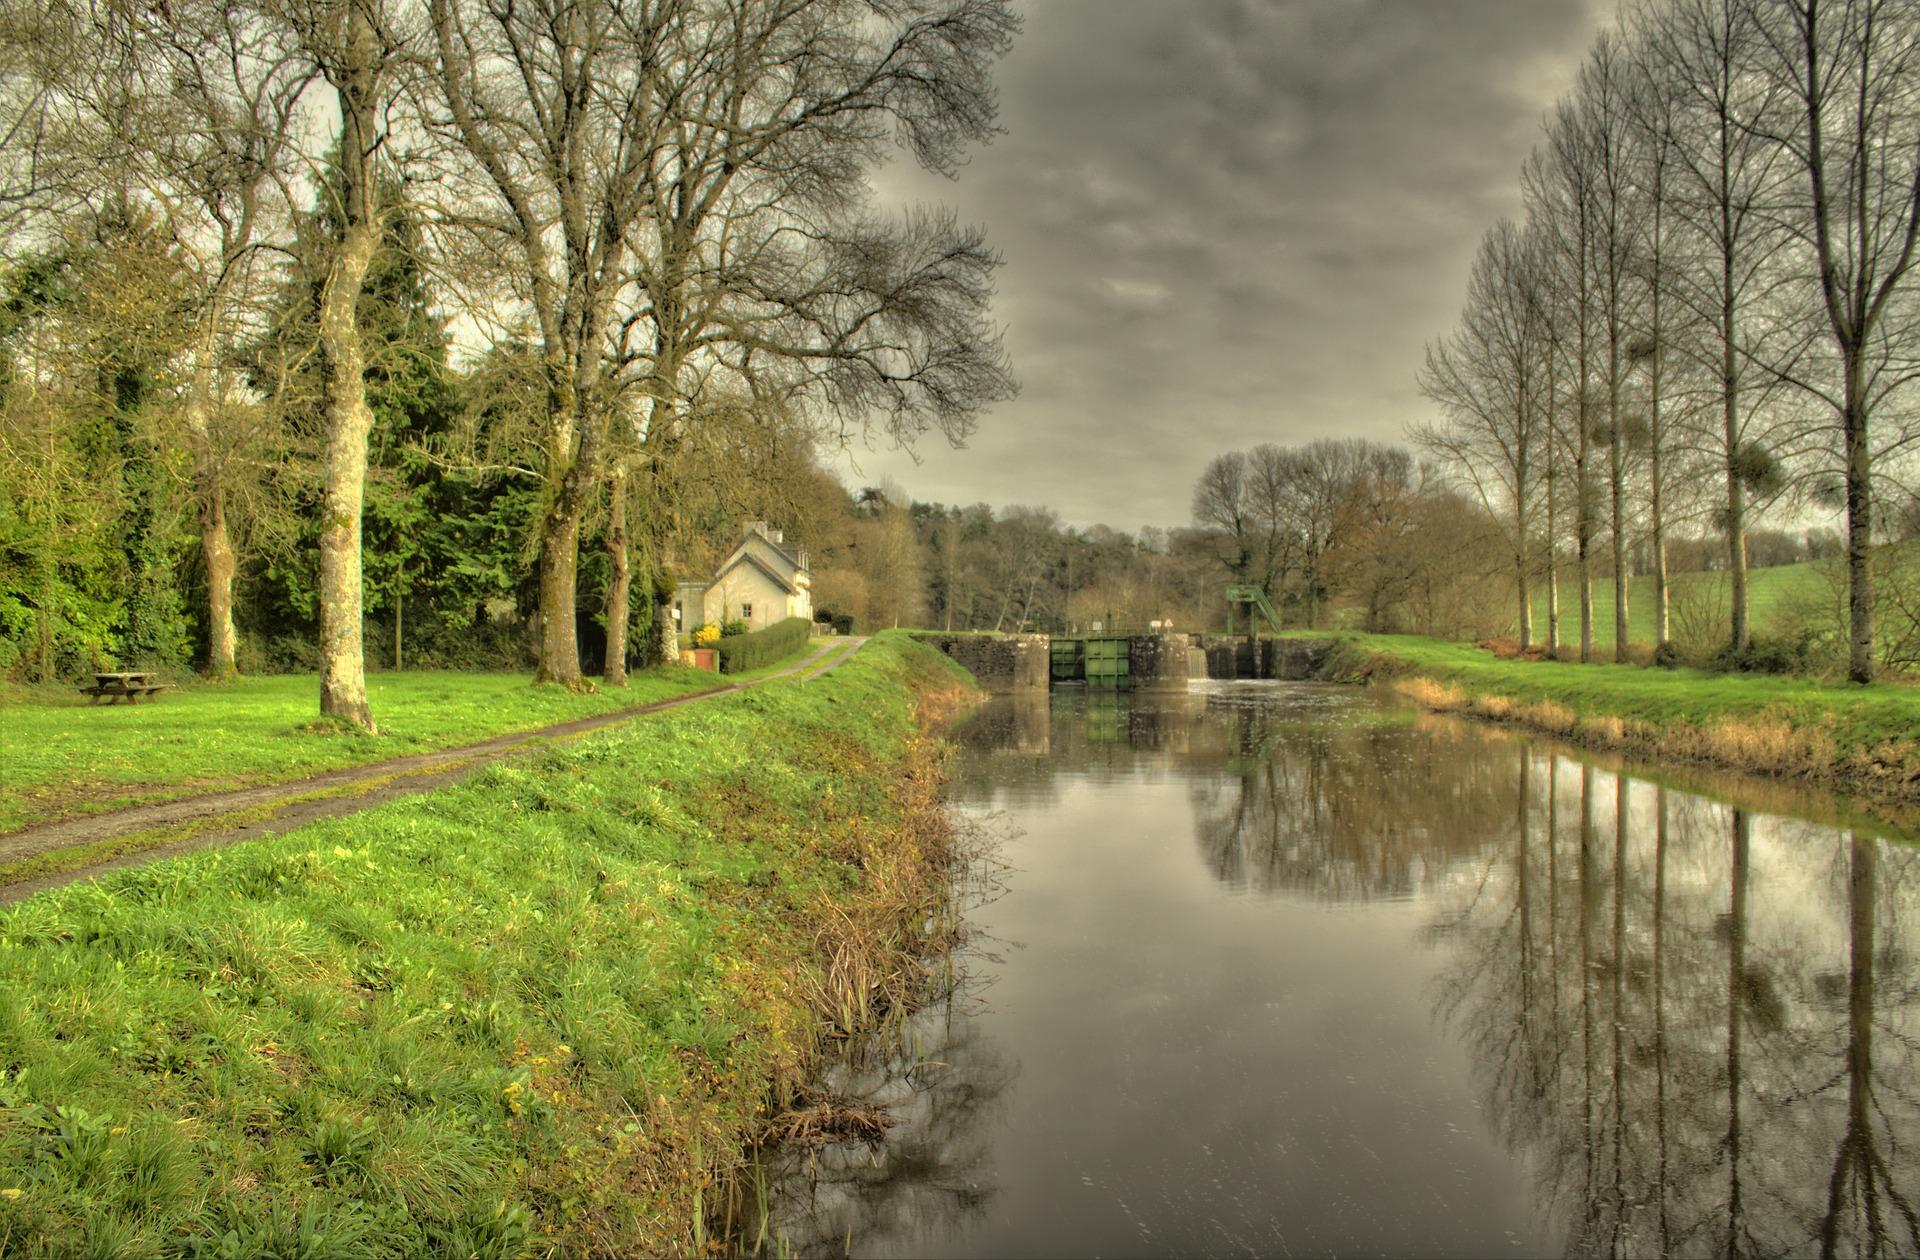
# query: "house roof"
{"points": [[780, 548], [784, 582]]}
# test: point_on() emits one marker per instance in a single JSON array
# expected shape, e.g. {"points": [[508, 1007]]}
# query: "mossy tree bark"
{"points": [[619, 578], [353, 70], [216, 546]]}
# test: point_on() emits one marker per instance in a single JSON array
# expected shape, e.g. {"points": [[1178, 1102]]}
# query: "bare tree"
{"points": [[675, 189], [1486, 378], [353, 45], [1654, 106], [1723, 175], [1603, 104], [1851, 69], [549, 115], [1220, 501], [1561, 203]]}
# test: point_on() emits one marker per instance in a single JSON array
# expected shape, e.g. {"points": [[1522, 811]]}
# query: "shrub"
{"points": [[1770, 654], [742, 652], [846, 623], [1666, 656], [733, 626], [705, 635]]}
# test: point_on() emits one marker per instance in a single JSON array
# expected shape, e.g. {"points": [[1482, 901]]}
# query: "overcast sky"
{"points": [[1228, 222]]}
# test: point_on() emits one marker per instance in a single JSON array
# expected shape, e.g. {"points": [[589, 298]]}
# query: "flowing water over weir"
{"points": [[1282, 969]]}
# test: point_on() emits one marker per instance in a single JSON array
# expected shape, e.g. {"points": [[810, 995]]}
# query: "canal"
{"points": [[1287, 969]]}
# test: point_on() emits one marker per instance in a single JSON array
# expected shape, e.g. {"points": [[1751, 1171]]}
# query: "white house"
{"points": [[761, 581]]}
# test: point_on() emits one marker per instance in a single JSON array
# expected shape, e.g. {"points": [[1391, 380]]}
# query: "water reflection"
{"points": [[1675, 1002], [944, 1092], [1413, 986]]}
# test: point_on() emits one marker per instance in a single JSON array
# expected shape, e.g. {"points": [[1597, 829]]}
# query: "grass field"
{"points": [[1864, 738], [541, 1012], [60, 756], [1698, 603]]}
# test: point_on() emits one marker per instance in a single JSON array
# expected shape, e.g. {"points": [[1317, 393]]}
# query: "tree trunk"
{"points": [[559, 564], [1662, 598], [1526, 603], [1740, 634], [344, 409], [1616, 486], [44, 673], [1521, 551], [399, 609], [1583, 535], [215, 546], [619, 580], [665, 649], [1553, 528], [577, 424], [1860, 663]]}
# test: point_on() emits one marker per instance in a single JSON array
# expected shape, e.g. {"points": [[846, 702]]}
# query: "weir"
{"points": [[1020, 662]]}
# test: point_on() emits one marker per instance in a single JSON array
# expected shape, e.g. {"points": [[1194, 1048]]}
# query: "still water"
{"points": [[1282, 969]]}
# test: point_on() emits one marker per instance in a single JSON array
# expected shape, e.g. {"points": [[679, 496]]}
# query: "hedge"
{"points": [[742, 652]]}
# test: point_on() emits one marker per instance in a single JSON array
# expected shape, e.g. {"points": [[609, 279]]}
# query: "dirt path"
{"points": [[271, 809]]}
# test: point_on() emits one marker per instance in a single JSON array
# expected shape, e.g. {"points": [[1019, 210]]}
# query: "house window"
{"points": [[746, 611]]}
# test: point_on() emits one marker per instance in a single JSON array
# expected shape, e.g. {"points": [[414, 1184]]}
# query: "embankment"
{"points": [[543, 1011], [1861, 740]]}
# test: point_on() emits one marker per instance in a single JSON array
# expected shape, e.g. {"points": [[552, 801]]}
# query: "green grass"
{"points": [[1869, 736], [540, 1011], [1698, 603], [60, 756]]}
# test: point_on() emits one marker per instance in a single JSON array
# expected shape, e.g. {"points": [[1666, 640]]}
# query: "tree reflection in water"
{"points": [[1704, 1032], [926, 1177], [1699, 1022]]}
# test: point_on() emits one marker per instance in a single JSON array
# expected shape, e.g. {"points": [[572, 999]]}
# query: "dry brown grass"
{"points": [[1547, 716], [1508, 649], [1429, 694], [1493, 708], [1753, 745], [1757, 745]]}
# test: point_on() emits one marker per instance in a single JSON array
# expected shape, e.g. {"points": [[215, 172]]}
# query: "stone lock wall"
{"points": [[1011, 662], [1157, 660], [1291, 660], [1296, 659]]}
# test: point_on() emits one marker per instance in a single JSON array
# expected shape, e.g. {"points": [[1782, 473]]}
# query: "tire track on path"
{"points": [[216, 818]]}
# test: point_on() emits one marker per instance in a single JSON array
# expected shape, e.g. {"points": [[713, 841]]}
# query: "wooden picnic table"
{"points": [[131, 684]]}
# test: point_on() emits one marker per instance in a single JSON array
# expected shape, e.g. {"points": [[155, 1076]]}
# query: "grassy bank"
{"points": [[1782, 600], [61, 757], [542, 1011], [1693, 597], [1862, 739]]}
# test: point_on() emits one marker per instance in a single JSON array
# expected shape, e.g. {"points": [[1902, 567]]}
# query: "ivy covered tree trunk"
{"points": [[619, 579], [344, 409]]}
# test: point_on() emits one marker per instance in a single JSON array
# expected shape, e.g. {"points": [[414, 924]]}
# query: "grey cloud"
{"points": [[1228, 222]]}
